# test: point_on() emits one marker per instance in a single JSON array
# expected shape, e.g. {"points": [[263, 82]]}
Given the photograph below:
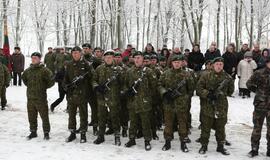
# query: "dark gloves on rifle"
{"points": [[168, 96], [130, 93], [101, 89], [212, 96]]}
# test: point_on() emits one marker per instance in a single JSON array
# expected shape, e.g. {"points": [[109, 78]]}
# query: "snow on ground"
{"points": [[14, 129]]}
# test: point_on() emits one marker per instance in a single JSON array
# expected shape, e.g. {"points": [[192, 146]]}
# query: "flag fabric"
{"points": [[6, 48]]}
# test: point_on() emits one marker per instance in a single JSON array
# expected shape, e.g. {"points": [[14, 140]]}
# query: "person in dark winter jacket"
{"points": [[149, 50], [265, 55], [17, 60], [240, 55], [196, 59], [211, 53], [230, 61], [256, 53]]}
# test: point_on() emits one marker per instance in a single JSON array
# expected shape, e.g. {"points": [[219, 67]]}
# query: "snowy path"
{"points": [[14, 128]]}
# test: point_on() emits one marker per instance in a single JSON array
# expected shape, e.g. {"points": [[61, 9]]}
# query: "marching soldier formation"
{"points": [[134, 93]]}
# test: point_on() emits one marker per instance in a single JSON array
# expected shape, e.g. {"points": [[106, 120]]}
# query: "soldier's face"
{"points": [[98, 53], [118, 59], [87, 50], [138, 60], [76, 55], [154, 61], [146, 62], [35, 60], [218, 66], [108, 59], [177, 64]]}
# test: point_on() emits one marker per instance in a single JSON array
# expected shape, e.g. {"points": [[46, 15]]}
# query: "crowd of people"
{"points": [[135, 94]]}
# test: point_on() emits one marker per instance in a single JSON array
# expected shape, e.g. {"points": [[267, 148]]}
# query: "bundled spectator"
{"points": [[17, 61], [245, 70], [265, 55], [256, 53], [196, 58], [212, 53], [230, 60]]}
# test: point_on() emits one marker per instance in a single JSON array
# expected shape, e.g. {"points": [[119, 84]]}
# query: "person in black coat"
{"points": [[196, 59], [230, 61], [240, 55], [212, 53]]}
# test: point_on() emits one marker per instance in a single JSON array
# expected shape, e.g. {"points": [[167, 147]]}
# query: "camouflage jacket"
{"points": [[75, 69], [210, 81], [49, 61], [142, 101], [169, 80], [38, 79], [4, 76], [61, 60], [259, 83], [112, 75]]}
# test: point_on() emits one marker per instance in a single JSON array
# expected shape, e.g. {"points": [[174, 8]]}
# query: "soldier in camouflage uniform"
{"points": [[37, 79], [213, 88], [175, 86], [156, 111], [61, 59], [259, 83], [77, 82], [92, 100], [123, 100], [50, 59], [139, 81], [4, 62], [107, 82], [4, 83]]}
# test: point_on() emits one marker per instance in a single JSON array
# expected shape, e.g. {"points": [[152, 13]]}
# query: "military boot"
{"points": [[254, 151], [147, 145], [167, 145], [71, 137], [33, 134], [203, 149], [184, 147], [46, 136], [222, 150], [99, 140], [83, 137], [130, 143]]}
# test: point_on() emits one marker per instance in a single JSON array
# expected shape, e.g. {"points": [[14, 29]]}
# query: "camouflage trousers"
{"points": [[113, 113], [124, 117], [3, 96], [94, 109], [73, 105], [169, 118], [35, 107], [145, 118], [207, 123], [258, 119]]}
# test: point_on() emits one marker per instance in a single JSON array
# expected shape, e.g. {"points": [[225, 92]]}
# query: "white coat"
{"points": [[244, 71]]}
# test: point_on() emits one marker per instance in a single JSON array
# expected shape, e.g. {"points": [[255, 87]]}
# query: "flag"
{"points": [[6, 49]]}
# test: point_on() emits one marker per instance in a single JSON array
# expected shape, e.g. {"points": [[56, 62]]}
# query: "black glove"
{"points": [[168, 96], [101, 89], [7, 85], [130, 92], [211, 95]]}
